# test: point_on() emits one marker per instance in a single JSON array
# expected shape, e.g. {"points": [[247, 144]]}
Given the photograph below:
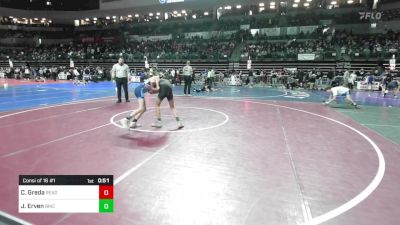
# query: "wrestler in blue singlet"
{"points": [[141, 90]]}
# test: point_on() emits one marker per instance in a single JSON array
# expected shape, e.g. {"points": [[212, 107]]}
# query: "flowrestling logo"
{"points": [[370, 15]]}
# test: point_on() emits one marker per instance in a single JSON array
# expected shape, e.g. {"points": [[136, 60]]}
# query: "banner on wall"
{"points": [[308, 29], [15, 27], [87, 40], [254, 31], [150, 38], [170, 1], [305, 57], [343, 65], [325, 22], [271, 31], [292, 30], [245, 27], [204, 35], [108, 39], [228, 33]]}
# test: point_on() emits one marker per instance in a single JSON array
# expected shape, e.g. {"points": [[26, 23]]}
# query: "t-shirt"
{"points": [[121, 71], [393, 84], [76, 73], [211, 73], [388, 79], [339, 90], [187, 71], [331, 75], [352, 78], [312, 78]]}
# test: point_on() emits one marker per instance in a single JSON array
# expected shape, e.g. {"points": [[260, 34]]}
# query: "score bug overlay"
{"points": [[66, 194]]}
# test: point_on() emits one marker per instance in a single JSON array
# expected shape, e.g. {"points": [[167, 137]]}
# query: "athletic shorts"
{"points": [[140, 91], [347, 93], [370, 80], [165, 90], [392, 85]]}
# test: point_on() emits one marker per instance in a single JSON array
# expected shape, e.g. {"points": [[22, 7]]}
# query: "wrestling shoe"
{"points": [[157, 124], [180, 125], [135, 125], [125, 123]]}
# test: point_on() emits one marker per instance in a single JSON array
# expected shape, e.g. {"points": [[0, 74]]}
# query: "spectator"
{"points": [[120, 72], [187, 76]]}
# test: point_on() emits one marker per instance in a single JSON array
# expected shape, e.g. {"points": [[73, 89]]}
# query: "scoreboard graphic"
{"points": [[66, 194]]}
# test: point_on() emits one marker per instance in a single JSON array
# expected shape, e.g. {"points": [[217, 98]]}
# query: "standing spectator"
{"points": [[361, 72], [53, 73], [352, 80], [34, 72], [75, 73], [27, 73], [319, 80], [346, 77], [86, 74], [187, 76], [274, 78], [311, 80], [120, 72], [173, 76], [370, 81], [178, 77], [210, 77], [263, 77], [41, 73], [251, 78], [47, 73], [142, 76], [291, 82], [330, 76]]}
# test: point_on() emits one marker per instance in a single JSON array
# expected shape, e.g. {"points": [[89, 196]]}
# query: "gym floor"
{"points": [[246, 155]]}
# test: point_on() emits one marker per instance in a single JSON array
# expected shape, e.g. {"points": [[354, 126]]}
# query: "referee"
{"points": [[120, 72], [187, 76]]}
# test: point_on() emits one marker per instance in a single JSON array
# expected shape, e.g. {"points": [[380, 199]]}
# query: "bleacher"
{"points": [[264, 37]]}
